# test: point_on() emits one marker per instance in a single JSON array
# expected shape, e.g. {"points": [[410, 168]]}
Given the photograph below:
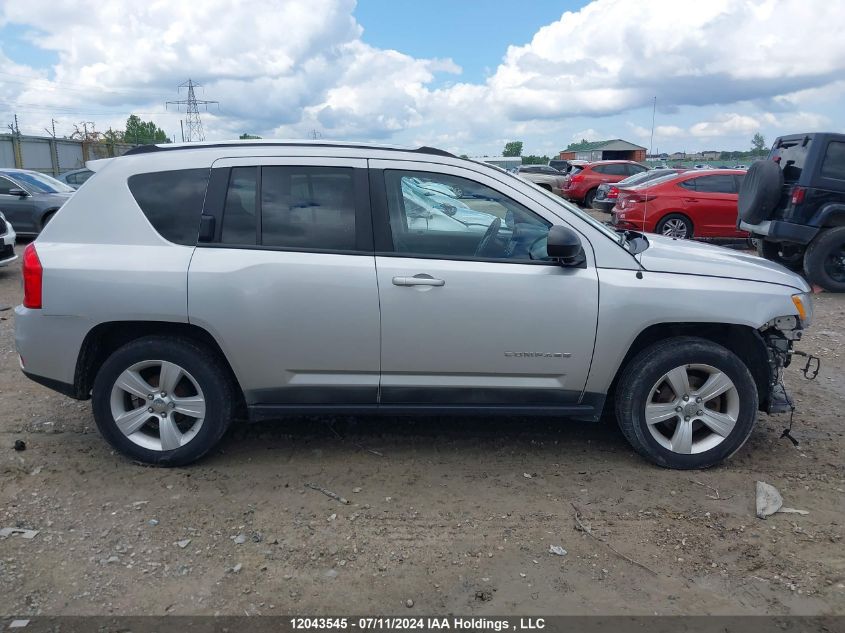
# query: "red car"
{"points": [[700, 203], [580, 185]]}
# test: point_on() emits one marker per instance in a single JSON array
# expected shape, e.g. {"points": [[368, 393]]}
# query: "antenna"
{"points": [[193, 124]]}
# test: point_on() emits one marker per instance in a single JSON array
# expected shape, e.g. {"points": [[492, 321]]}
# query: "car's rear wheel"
{"points": [[588, 199], [789, 255], [675, 225], [163, 400], [824, 261], [686, 403], [47, 217]]}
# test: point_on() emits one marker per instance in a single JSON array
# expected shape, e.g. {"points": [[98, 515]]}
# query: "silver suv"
{"points": [[186, 286]]}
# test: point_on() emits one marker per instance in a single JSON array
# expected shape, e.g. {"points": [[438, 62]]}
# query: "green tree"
{"points": [[247, 136], [582, 144], [138, 131], [512, 148], [758, 143], [532, 159]]}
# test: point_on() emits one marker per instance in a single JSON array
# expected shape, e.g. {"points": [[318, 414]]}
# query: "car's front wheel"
{"points": [[686, 402], [163, 400]]}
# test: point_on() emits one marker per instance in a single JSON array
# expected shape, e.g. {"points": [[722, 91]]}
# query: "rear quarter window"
{"points": [[172, 201], [833, 165]]}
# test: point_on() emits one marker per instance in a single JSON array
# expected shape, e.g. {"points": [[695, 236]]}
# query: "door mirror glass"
{"points": [[564, 244]]}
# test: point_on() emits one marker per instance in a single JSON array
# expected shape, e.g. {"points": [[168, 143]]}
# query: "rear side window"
{"points": [[833, 165], [724, 183], [172, 201], [612, 170]]}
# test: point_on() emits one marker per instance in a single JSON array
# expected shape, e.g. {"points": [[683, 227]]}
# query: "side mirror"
{"points": [[18, 192], [564, 244]]}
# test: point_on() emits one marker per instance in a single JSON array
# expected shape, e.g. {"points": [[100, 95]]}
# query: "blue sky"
{"points": [[464, 75], [474, 33]]}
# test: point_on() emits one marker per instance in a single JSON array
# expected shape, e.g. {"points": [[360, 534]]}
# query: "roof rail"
{"points": [[149, 149]]}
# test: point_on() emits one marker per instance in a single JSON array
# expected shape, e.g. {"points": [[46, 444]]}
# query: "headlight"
{"points": [[804, 305]]}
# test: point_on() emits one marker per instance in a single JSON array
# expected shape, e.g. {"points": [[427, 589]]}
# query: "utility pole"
{"points": [[55, 146], [16, 143], [193, 124], [653, 111]]}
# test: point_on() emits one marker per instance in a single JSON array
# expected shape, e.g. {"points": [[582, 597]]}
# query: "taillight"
{"points": [[32, 276], [798, 194], [577, 178], [613, 193]]}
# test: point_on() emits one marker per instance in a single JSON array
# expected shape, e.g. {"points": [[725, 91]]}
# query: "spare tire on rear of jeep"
{"points": [[760, 191]]}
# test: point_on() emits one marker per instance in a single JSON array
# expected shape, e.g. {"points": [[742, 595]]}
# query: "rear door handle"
{"points": [[418, 280], [690, 199]]}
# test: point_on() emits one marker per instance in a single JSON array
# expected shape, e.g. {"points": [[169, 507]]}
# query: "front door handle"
{"points": [[690, 199], [418, 280]]}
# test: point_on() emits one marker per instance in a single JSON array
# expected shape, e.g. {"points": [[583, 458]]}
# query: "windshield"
{"points": [[41, 183]]}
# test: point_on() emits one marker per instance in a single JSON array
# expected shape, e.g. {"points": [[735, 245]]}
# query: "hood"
{"points": [[668, 255]]}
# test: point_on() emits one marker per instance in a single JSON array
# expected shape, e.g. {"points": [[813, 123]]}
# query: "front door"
{"points": [[287, 285], [19, 210], [472, 310]]}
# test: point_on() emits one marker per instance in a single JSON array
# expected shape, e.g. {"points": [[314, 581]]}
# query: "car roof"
{"points": [[169, 147], [611, 162]]}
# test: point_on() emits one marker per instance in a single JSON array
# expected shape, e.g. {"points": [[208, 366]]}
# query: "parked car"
{"points": [[607, 194], [740, 166], [794, 203], [7, 242], [559, 164], [703, 166], [236, 280], [76, 177], [581, 186], [693, 204], [30, 199], [544, 176]]}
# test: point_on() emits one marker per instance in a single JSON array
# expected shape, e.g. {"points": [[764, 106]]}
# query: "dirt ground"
{"points": [[455, 515]]}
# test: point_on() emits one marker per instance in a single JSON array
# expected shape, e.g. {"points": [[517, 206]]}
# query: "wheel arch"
{"points": [[105, 338], [744, 341], [666, 214]]}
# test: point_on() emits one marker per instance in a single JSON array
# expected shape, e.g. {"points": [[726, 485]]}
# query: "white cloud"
{"points": [[285, 67]]}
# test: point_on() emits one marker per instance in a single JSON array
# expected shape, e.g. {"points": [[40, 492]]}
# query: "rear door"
{"points": [[287, 283], [715, 209]]}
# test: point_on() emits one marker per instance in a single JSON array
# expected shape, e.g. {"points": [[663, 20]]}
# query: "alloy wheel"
{"points": [[675, 227], [158, 405], [692, 409]]}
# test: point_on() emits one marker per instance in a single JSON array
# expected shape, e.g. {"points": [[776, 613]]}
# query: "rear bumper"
{"points": [[49, 346], [604, 205], [780, 231]]}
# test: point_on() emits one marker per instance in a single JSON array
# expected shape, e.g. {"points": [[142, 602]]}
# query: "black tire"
{"points": [[760, 191], [47, 217], [205, 367], [588, 199], [543, 185], [789, 255], [644, 370], [824, 261], [661, 225]]}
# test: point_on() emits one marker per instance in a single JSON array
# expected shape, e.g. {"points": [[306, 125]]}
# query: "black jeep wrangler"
{"points": [[794, 204]]}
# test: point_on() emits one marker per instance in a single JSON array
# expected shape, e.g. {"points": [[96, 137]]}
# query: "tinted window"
{"points": [[6, 185], [475, 222], [716, 184], [172, 201], [308, 207], [239, 211], [612, 170], [791, 155], [635, 169], [833, 165], [688, 184], [41, 183]]}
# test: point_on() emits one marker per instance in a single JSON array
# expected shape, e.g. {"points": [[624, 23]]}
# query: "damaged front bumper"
{"points": [[779, 336]]}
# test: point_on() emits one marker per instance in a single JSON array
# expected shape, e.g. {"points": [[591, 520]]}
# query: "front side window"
{"points": [[451, 217], [6, 186], [172, 201], [833, 165], [42, 183]]}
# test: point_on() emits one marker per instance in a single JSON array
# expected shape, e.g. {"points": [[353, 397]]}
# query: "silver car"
{"points": [[189, 285]]}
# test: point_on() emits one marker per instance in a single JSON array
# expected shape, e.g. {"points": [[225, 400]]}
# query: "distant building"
{"points": [[678, 156], [615, 149], [505, 162], [710, 155]]}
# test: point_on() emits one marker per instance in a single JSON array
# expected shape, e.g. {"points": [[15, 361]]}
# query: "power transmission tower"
{"points": [[193, 125]]}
